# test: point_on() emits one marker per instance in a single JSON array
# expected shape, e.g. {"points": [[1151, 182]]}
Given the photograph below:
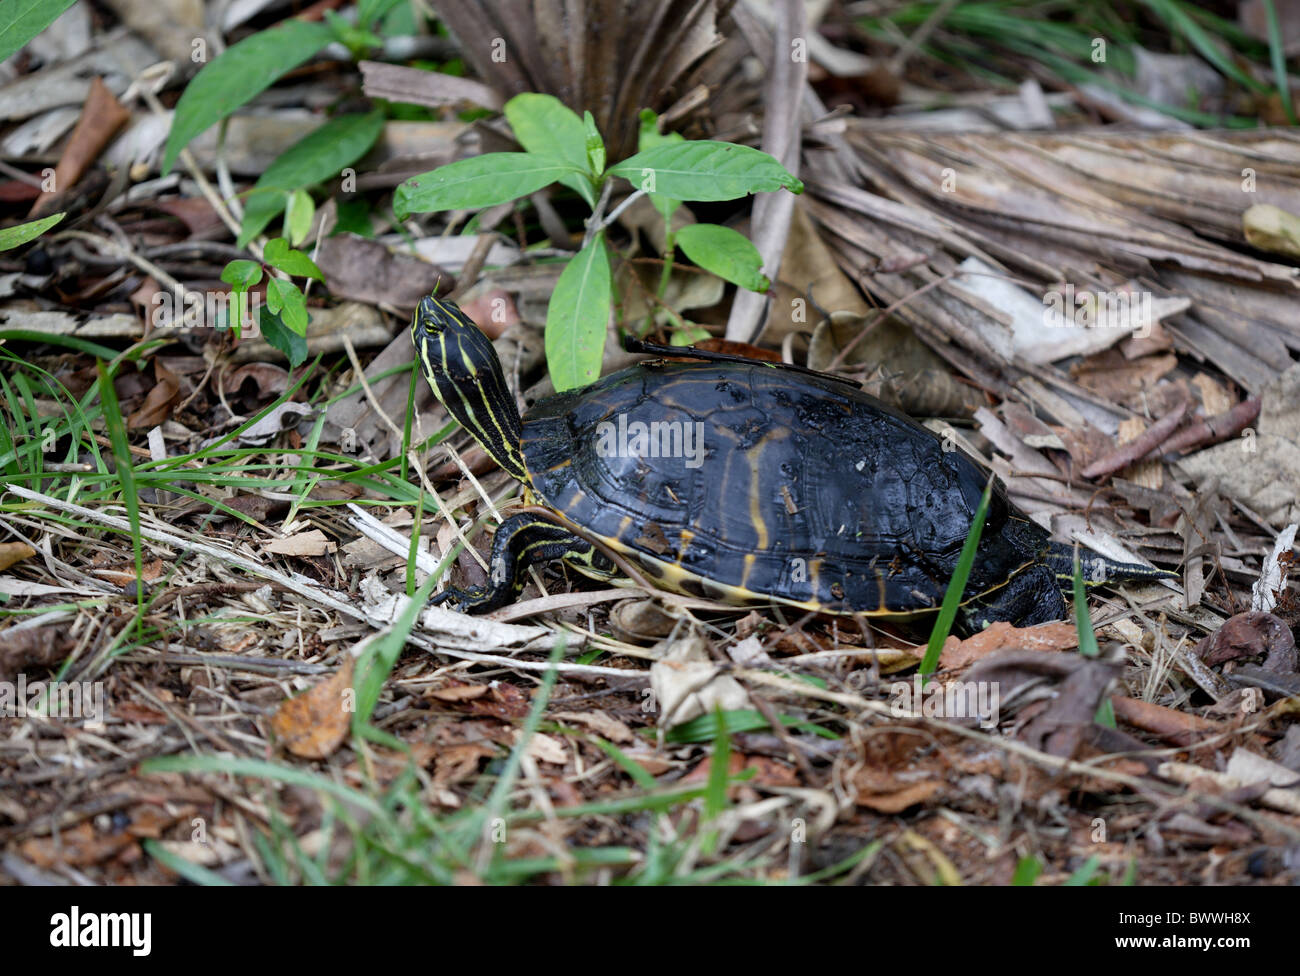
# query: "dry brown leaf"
{"points": [[1054, 636], [457, 692], [887, 793], [14, 552], [101, 117], [309, 543], [157, 406], [606, 725], [312, 725]]}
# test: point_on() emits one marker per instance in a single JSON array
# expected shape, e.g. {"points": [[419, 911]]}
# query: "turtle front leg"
{"points": [[521, 541], [1030, 597]]}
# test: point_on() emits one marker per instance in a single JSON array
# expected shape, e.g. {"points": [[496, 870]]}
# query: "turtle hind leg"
{"points": [[1029, 597], [521, 541]]}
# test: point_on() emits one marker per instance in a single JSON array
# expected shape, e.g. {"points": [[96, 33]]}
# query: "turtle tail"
{"points": [[1097, 570]]}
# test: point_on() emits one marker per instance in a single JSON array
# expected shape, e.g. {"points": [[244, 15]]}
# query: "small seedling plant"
{"points": [[284, 317], [560, 147]]}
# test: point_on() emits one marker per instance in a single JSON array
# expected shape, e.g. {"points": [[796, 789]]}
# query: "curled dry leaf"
{"points": [[885, 792], [157, 406], [687, 684], [312, 725], [1252, 634], [14, 552], [1054, 636]]}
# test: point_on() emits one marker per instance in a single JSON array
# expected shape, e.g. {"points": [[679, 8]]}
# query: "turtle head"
{"points": [[462, 367]]}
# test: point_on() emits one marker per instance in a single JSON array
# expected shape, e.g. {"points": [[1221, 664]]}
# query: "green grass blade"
{"points": [[957, 585]]}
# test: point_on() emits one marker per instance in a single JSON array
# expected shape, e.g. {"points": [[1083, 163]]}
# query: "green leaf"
{"points": [[705, 170], [274, 331], [725, 252], [320, 155], [20, 234], [21, 20], [481, 181], [285, 300], [577, 318], [353, 218], [243, 71], [242, 274], [595, 145], [298, 216], [1027, 871], [546, 127], [369, 11], [649, 136], [278, 254], [1082, 619]]}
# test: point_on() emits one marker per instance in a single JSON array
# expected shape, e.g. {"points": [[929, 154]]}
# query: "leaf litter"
{"points": [[927, 243]]}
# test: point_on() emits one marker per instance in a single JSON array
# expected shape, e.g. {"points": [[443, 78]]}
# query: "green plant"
{"points": [[284, 319], [321, 154], [956, 586], [20, 234], [21, 20], [246, 69], [560, 147]]}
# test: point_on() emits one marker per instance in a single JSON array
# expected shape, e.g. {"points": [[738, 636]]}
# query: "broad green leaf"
{"points": [[577, 318], [298, 216], [725, 252], [20, 234], [354, 218], [21, 20], [242, 274], [649, 137], [278, 254], [286, 340], [285, 300], [481, 181], [595, 145], [705, 170], [243, 71], [546, 127], [318, 156], [369, 11]]}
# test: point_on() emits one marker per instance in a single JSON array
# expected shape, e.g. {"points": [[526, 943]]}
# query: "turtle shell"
{"points": [[752, 483]]}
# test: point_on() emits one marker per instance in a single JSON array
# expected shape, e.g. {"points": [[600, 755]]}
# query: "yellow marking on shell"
{"points": [[756, 508], [750, 561], [684, 541]]}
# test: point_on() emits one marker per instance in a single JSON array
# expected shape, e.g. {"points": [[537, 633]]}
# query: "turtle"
{"points": [[745, 482]]}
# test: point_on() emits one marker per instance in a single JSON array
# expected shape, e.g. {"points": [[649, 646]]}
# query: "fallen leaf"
{"points": [[14, 552], [157, 406], [309, 543], [313, 724], [1252, 634], [457, 692], [886, 793], [605, 725], [1054, 636]]}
